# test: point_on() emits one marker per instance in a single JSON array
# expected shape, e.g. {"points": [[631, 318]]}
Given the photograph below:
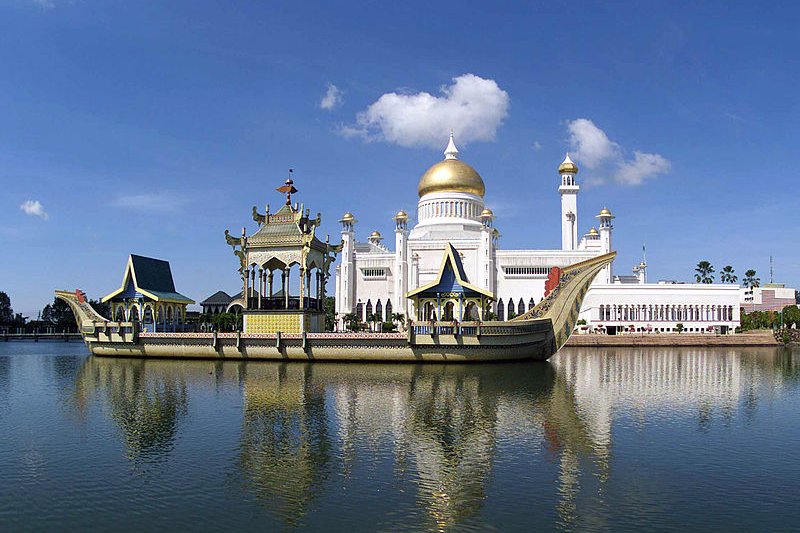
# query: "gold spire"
{"points": [[567, 166]]}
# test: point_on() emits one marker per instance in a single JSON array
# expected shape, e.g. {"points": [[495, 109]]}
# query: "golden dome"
{"points": [[487, 213], [593, 232], [451, 175], [605, 212], [567, 166], [376, 235], [401, 215], [347, 217]]}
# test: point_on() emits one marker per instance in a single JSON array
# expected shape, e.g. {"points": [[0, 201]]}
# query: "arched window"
{"points": [[388, 310], [531, 304], [379, 311], [448, 311], [521, 307], [501, 310], [360, 311], [369, 310]]}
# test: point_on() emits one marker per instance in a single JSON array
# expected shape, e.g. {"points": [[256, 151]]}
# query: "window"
{"points": [[373, 273], [526, 271]]}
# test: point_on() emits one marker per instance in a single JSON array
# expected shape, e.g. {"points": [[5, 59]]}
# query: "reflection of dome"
{"points": [[451, 175], [567, 166]]}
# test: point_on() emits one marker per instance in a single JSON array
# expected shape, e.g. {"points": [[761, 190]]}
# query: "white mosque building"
{"points": [[372, 280]]}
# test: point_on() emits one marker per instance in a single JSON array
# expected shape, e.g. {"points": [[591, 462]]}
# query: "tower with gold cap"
{"points": [[569, 204], [605, 217]]}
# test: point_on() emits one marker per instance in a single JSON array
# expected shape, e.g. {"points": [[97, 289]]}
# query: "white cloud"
{"points": [[150, 201], [536, 146], [643, 166], [332, 98], [591, 147], [473, 106], [34, 208]]}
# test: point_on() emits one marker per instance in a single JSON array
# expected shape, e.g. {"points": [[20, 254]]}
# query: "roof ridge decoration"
{"points": [[452, 257]]}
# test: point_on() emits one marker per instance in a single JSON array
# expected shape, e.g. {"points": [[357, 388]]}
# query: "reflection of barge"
{"points": [[535, 335]]}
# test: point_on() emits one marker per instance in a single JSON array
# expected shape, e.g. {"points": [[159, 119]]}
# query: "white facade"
{"points": [[373, 280], [659, 308]]}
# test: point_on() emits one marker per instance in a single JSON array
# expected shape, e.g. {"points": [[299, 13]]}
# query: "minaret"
{"points": [[486, 252], [346, 284], [569, 204], [401, 272], [605, 217]]}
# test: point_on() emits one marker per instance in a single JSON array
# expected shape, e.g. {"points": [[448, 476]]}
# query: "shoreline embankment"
{"points": [[750, 338]]}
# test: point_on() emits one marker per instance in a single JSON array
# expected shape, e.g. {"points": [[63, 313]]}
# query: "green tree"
{"points": [[102, 308], [791, 316], [679, 326], [330, 313], [489, 315], [6, 312], [399, 318], [704, 273], [750, 280], [351, 321], [727, 275], [59, 314]]}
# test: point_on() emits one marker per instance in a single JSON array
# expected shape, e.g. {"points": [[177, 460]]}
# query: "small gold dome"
{"points": [[376, 235], [487, 213], [567, 166], [593, 232], [451, 175], [605, 212], [401, 215], [347, 217]]}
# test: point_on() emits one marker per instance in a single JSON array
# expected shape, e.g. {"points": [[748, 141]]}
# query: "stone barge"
{"points": [[535, 335]]}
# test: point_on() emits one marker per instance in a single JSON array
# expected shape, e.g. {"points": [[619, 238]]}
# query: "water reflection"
{"points": [[285, 448], [309, 432], [146, 399]]}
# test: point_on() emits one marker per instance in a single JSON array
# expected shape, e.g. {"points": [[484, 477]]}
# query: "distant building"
{"points": [[216, 303], [769, 297]]}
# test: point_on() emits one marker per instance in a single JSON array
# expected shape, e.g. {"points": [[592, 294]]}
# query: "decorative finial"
{"points": [[288, 188], [451, 152]]}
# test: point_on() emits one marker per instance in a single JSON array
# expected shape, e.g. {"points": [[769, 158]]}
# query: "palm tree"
{"points": [[727, 275], [399, 318], [750, 280], [704, 272], [351, 320]]}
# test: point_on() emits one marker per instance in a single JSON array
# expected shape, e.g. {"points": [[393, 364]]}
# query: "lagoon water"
{"points": [[594, 440]]}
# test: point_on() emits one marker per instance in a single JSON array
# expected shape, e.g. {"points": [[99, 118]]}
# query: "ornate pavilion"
{"points": [[450, 296], [148, 297], [284, 244]]}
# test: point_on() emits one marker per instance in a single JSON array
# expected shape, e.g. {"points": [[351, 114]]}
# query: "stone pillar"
{"points": [[286, 272], [269, 281], [260, 285]]}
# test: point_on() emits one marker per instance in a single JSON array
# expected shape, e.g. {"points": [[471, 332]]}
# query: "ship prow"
{"points": [[534, 335]]}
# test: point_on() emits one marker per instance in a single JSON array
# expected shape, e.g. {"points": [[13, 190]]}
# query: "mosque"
{"points": [[373, 281]]}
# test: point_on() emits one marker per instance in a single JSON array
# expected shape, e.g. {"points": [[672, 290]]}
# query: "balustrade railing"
{"points": [[279, 303]]}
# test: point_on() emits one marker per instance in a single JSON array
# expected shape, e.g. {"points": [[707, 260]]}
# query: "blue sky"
{"points": [[151, 127]]}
